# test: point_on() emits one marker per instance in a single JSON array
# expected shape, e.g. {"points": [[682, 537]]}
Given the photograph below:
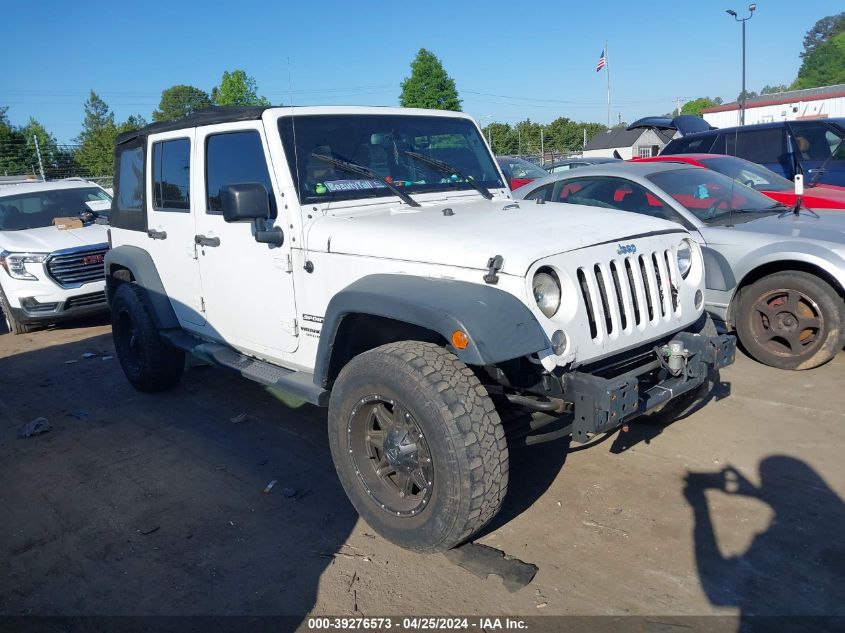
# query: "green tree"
{"points": [[823, 65], [502, 137], [51, 157], [823, 31], [695, 106], [96, 140], [133, 122], [770, 90], [237, 89], [429, 86], [14, 158], [179, 101], [565, 135]]}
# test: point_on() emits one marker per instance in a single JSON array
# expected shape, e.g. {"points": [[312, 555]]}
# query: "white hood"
{"points": [[48, 239], [477, 231]]}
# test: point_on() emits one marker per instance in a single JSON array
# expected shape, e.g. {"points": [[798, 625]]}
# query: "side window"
{"points": [[691, 144], [234, 158], [172, 175], [544, 192], [130, 177], [817, 141], [758, 146]]}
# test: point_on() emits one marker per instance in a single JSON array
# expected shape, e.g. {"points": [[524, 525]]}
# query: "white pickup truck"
{"points": [[53, 238]]}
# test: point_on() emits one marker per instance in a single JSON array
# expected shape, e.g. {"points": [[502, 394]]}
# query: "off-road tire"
{"points": [[149, 364], [469, 454], [12, 324], [828, 339], [690, 401]]}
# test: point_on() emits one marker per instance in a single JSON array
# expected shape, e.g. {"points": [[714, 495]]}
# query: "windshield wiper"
{"points": [[360, 170], [447, 169]]}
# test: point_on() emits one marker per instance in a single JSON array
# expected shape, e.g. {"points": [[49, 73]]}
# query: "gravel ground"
{"points": [[135, 504]]}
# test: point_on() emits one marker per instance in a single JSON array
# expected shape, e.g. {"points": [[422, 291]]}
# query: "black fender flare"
{"points": [[498, 325], [143, 269]]}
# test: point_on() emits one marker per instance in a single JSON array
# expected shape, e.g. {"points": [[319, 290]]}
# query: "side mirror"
{"points": [[799, 184], [249, 202], [246, 201]]}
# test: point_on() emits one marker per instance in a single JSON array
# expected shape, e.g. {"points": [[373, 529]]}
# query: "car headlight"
{"points": [[546, 289], [15, 263], [685, 257]]}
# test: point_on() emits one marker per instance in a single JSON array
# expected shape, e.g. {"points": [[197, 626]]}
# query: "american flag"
{"points": [[602, 62]]}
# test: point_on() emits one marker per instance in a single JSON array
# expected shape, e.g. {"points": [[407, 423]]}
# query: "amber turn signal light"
{"points": [[460, 340]]}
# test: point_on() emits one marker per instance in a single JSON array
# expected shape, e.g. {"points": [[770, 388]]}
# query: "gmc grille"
{"points": [[637, 291], [72, 269]]}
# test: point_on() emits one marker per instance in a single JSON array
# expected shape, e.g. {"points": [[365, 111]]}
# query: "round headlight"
{"points": [[546, 293], [684, 257]]}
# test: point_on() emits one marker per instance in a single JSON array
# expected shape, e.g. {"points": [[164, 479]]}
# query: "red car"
{"points": [[763, 180]]}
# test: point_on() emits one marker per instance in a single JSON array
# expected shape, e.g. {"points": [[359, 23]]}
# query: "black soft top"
{"points": [[206, 116]]}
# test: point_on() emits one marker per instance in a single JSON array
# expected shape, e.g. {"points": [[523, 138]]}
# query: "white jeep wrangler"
{"points": [[371, 260], [52, 244]]}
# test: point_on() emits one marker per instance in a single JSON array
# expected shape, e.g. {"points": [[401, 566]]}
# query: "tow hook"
{"points": [[675, 356]]}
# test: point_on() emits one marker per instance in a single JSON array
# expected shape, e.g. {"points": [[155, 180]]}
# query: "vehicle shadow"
{"points": [[796, 567], [533, 469], [216, 498]]}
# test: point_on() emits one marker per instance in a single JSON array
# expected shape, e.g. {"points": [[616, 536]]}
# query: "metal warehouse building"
{"points": [[813, 103]]}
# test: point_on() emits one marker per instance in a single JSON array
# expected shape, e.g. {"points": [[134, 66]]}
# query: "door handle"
{"points": [[202, 240], [157, 235]]}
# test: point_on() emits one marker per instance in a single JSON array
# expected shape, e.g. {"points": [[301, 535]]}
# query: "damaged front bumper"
{"points": [[681, 365]]}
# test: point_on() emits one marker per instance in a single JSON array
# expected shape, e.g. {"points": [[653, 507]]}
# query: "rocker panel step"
{"points": [[300, 384]]}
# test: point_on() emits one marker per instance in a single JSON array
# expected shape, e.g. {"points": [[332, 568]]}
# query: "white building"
{"points": [[625, 144], [813, 103]]}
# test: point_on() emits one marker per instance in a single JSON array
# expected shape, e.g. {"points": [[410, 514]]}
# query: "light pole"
{"points": [[731, 12], [489, 135]]}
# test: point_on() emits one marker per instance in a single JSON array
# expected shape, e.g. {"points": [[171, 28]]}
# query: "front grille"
{"points": [[72, 269], [85, 301], [636, 291]]}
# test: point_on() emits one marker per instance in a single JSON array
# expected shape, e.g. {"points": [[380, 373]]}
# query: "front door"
{"points": [[170, 222], [247, 286]]}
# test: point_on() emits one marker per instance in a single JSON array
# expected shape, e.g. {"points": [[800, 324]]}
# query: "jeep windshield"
{"points": [[713, 197], [393, 147], [38, 209]]}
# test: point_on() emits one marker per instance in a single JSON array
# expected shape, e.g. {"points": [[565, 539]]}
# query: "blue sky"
{"points": [[510, 60]]}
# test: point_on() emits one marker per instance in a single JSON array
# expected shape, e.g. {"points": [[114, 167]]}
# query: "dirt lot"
{"points": [[136, 504]]}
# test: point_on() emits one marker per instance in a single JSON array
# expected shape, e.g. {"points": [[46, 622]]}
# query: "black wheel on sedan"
{"points": [[791, 320]]}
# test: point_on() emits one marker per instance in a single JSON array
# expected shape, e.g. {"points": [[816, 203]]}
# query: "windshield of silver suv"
{"points": [[332, 154], [713, 197], [37, 209]]}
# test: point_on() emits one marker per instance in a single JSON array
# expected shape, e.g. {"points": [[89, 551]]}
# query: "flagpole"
{"points": [[607, 70]]}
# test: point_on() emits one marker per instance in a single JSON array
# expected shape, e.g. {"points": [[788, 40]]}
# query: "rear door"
{"points": [[170, 222], [247, 286], [766, 146], [820, 151]]}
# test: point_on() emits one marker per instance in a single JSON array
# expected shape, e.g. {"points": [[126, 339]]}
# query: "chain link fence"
{"points": [[25, 160]]}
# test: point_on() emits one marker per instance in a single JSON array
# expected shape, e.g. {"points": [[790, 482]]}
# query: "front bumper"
{"points": [[32, 311], [602, 404]]}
